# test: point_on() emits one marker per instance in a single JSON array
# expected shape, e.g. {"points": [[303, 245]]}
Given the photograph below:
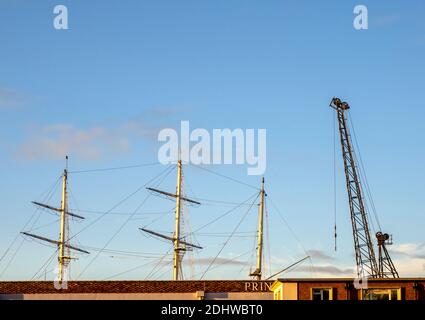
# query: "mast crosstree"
{"points": [[64, 247], [180, 246]]}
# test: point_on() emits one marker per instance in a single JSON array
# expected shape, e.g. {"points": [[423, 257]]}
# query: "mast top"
{"points": [[66, 164]]}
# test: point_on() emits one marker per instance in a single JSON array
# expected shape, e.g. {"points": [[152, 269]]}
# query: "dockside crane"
{"points": [[367, 264]]}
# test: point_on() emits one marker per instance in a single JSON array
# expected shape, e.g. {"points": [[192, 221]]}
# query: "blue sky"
{"points": [[102, 90]]}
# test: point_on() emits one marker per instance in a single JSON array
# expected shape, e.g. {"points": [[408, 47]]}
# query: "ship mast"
{"points": [[177, 249], [260, 236], [180, 246], [63, 258], [63, 243]]}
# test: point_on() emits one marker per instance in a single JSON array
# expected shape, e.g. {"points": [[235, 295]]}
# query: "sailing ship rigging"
{"points": [[180, 241], [368, 265], [64, 247]]}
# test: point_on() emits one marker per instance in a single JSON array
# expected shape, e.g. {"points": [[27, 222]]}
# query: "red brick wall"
{"points": [[26, 287], [340, 292], [407, 291]]}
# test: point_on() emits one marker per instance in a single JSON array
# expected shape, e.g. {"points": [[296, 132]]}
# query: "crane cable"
{"points": [[334, 182], [364, 177]]}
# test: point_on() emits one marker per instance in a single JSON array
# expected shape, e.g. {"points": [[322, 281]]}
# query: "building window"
{"points": [[278, 294], [382, 294], [321, 294]]}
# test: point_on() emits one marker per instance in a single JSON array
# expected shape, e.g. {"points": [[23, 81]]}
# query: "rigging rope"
{"points": [[227, 262], [129, 270], [45, 225], [45, 265], [215, 201], [157, 264], [287, 225], [116, 168], [227, 241], [268, 238], [122, 201], [158, 218], [161, 275], [290, 229], [147, 255], [119, 213], [224, 176], [48, 195], [123, 225], [113, 236], [225, 213], [12, 258]]}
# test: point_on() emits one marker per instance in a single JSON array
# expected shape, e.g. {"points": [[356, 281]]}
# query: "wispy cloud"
{"points": [[208, 261], [212, 261], [411, 250], [90, 143], [56, 141], [411, 267], [319, 255], [11, 99], [408, 258], [327, 270]]}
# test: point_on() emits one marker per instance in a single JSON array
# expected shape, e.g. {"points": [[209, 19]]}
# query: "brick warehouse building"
{"points": [[281, 289], [345, 289]]}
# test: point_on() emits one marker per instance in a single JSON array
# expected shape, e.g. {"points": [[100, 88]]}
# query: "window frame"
{"points": [[362, 293], [330, 289]]}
